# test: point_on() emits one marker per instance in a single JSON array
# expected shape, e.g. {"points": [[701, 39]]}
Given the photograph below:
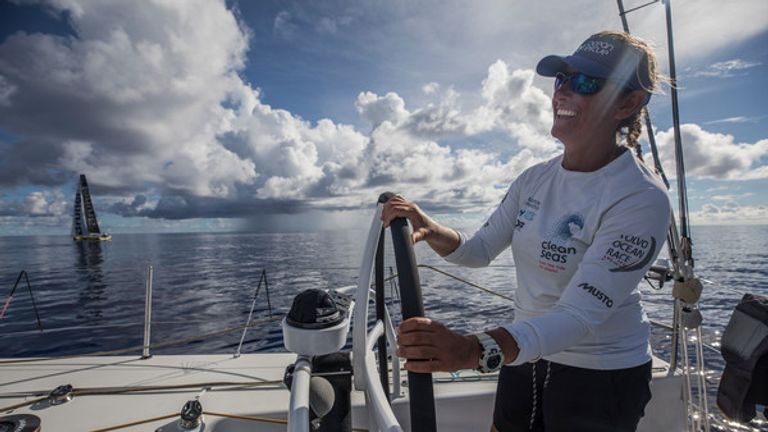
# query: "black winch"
{"points": [[314, 309], [20, 423]]}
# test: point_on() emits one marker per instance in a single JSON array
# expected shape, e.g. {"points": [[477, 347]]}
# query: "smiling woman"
{"points": [[579, 325], [608, 88]]}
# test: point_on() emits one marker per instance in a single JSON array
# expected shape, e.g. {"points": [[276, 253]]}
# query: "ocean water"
{"points": [[90, 297]]}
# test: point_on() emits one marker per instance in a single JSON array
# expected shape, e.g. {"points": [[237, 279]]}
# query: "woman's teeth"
{"points": [[565, 113]]}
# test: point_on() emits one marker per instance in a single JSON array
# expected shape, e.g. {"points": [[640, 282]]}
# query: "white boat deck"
{"points": [[243, 390]]}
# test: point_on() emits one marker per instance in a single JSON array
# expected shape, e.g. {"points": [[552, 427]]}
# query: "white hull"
{"points": [[464, 405]]}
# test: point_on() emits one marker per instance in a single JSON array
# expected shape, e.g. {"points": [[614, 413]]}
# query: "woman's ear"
{"points": [[631, 103]]}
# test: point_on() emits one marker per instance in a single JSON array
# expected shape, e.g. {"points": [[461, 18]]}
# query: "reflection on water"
{"points": [[88, 267]]}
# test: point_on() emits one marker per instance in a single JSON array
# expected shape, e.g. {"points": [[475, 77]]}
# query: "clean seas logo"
{"points": [[557, 250], [630, 252]]}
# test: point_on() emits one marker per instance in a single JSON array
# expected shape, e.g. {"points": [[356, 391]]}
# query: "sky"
{"points": [[195, 115]]}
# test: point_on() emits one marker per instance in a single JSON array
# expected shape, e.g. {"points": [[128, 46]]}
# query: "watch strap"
{"points": [[491, 355]]}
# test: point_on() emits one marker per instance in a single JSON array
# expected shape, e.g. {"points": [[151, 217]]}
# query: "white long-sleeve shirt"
{"points": [[581, 242]]}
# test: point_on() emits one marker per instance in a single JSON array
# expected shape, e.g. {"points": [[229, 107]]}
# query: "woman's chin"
{"points": [[560, 133]]}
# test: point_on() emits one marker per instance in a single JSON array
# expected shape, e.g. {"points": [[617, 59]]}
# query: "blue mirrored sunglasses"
{"points": [[580, 83]]}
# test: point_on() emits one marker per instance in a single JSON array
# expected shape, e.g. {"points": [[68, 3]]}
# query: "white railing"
{"points": [[298, 413], [360, 317], [147, 314], [378, 407]]}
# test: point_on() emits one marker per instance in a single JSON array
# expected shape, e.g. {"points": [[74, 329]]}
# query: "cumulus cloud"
{"points": [[36, 204], [714, 155], [128, 101], [152, 107], [377, 109], [163, 113], [516, 105], [334, 166]]}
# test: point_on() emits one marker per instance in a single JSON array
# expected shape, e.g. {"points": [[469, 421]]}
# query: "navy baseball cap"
{"points": [[603, 56]]}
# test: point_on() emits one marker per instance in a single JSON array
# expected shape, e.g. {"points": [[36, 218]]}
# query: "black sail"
{"points": [[77, 217], [90, 214]]}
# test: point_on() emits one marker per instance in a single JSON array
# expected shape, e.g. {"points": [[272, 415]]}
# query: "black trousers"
{"points": [[552, 397]]}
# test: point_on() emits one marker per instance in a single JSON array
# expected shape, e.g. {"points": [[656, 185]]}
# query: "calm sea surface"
{"points": [[90, 297]]}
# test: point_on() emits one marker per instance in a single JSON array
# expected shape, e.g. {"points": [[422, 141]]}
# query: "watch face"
{"points": [[493, 361]]}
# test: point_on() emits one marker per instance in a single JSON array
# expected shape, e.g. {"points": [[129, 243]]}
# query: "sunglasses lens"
{"points": [[586, 85], [560, 79], [580, 83]]}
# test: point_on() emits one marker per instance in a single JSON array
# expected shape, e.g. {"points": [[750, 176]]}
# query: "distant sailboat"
{"points": [[84, 207]]}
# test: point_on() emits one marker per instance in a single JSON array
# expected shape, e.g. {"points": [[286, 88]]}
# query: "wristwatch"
{"points": [[491, 356]]}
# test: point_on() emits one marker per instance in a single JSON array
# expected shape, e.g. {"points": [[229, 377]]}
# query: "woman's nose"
{"points": [[562, 92]]}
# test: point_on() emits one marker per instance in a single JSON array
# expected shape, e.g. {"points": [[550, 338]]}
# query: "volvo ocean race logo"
{"points": [[630, 252], [557, 250]]}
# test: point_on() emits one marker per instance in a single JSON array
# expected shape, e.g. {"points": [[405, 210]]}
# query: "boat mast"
{"points": [[682, 192], [90, 214]]}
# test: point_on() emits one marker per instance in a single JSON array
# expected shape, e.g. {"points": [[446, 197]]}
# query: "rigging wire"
{"points": [[10, 297], [209, 413], [173, 343]]}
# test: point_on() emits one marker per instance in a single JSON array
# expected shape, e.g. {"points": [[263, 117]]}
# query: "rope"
{"points": [[535, 392], [210, 413], [101, 391], [474, 285], [140, 347], [125, 425], [535, 397]]}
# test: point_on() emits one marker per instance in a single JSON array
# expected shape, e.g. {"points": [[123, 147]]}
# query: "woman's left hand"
{"points": [[429, 346]]}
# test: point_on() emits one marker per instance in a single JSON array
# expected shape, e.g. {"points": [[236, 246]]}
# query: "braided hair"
{"points": [[631, 128]]}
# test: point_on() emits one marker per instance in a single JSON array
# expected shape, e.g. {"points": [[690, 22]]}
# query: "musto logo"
{"points": [[597, 294], [630, 253]]}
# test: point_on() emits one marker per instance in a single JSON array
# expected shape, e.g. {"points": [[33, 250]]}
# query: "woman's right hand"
{"points": [[398, 206], [441, 239]]}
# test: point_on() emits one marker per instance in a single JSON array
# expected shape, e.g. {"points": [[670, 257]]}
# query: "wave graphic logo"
{"points": [[556, 251], [567, 227]]}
